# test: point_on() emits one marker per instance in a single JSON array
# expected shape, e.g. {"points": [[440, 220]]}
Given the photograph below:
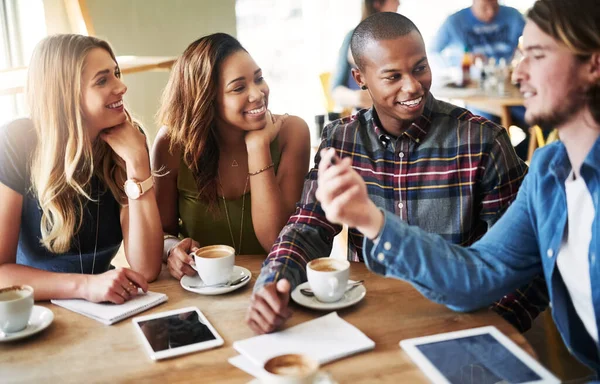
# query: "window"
{"points": [[22, 25]]}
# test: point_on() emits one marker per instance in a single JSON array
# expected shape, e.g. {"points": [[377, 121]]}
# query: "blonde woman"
{"points": [[75, 181], [234, 171]]}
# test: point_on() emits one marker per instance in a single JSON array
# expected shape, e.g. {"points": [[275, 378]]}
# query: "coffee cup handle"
{"points": [[333, 284], [193, 265]]}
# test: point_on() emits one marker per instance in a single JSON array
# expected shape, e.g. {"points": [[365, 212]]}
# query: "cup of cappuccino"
{"points": [[214, 263], [290, 369], [328, 278], [16, 304]]}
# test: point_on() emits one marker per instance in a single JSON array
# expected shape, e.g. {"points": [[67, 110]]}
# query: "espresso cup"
{"points": [[290, 369], [16, 304], [214, 263], [328, 278]]}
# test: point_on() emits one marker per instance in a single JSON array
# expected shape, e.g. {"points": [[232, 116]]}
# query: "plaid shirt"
{"points": [[450, 173]]}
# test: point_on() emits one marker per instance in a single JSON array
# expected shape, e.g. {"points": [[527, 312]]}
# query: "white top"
{"points": [[573, 257]]}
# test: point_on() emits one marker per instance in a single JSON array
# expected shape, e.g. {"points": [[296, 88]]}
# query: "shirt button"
{"points": [[400, 205], [401, 155], [387, 246], [550, 252], [380, 256], [593, 257], [418, 140]]}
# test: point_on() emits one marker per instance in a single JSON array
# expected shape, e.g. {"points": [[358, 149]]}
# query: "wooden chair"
{"points": [[537, 140], [325, 78]]}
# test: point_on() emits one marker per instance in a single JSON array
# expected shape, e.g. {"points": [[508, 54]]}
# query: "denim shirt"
{"points": [[524, 242]]}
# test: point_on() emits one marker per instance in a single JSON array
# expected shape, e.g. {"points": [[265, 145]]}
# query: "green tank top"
{"points": [[209, 228]]}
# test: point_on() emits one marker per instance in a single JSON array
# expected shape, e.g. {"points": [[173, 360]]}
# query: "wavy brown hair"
{"points": [[188, 108], [65, 159], [576, 24]]}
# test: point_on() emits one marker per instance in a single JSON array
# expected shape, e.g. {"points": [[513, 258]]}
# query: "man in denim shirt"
{"points": [[553, 227]]}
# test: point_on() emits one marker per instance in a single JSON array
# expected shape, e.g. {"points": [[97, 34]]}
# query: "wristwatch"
{"points": [[134, 189]]}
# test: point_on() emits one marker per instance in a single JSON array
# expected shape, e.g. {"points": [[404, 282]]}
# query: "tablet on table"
{"points": [[475, 356], [173, 333]]}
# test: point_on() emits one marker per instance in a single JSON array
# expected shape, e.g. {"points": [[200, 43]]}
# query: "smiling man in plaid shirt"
{"points": [[433, 164]]}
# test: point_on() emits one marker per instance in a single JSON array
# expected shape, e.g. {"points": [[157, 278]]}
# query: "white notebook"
{"points": [[325, 339], [109, 313]]}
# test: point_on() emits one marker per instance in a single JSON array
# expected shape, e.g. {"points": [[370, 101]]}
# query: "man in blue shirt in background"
{"points": [[485, 29]]}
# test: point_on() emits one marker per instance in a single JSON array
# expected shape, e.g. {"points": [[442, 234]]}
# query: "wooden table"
{"points": [[489, 102], [13, 81], [77, 349]]}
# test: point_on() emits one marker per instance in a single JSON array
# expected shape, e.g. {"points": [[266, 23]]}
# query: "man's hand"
{"points": [[343, 195], [269, 307]]}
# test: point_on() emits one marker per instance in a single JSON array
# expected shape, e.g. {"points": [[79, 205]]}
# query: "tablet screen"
{"points": [[476, 359], [175, 331]]}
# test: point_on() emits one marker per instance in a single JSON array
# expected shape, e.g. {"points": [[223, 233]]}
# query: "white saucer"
{"points": [[41, 318], [188, 281], [350, 298]]}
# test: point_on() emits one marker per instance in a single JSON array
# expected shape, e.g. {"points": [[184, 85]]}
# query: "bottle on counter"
{"points": [[502, 74], [467, 61]]}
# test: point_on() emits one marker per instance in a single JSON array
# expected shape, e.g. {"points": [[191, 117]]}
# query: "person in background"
{"points": [[486, 30], [427, 162], [345, 91], [553, 227], [233, 172], [75, 181]]}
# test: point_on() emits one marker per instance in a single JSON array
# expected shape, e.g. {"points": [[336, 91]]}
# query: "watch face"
{"points": [[132, 189]]}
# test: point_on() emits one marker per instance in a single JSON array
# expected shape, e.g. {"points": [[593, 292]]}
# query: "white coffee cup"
{"points": [[289, 369], [328, 278], [16, 304], [214, 263]]}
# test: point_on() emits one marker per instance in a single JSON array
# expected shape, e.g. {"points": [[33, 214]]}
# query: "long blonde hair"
{"points": [[575, 24], [65, 159], [188, 108]]}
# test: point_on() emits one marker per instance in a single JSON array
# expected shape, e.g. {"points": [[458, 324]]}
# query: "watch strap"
{"points": [[146, 184]]}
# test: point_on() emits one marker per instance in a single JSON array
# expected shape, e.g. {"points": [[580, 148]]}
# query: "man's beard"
{"points": [[560, 115]]}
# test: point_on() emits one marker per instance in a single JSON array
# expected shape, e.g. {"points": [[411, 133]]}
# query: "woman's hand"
{"points": [[180, 261], [116, 286], [127, 141], [266, 135]]}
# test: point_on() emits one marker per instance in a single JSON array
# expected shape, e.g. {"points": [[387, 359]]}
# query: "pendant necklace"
{"points": [[97, 228], [237, 251]]}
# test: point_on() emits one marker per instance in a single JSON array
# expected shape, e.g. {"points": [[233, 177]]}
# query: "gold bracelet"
{"points": [[261, 170]]}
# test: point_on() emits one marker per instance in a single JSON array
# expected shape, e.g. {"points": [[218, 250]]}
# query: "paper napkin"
{"points": [[325, 339]]}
